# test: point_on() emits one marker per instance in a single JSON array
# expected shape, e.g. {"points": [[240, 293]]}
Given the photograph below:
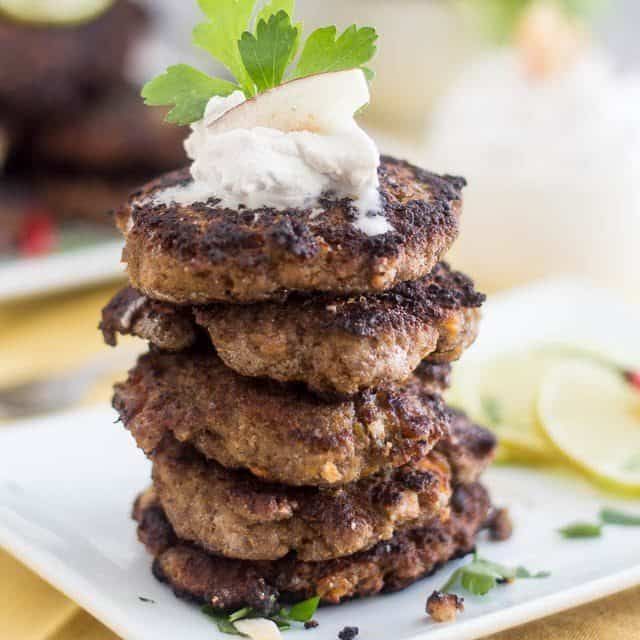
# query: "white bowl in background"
{"points": [[553, 169]]}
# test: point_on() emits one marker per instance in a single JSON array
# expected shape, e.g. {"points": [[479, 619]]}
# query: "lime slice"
{"points": [[592, 415], [502, 394], [60, 12]]}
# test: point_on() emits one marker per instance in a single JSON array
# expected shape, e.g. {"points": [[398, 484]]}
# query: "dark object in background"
{"points": [[50, 72], [348, 633], [75, 135], [115, 132], [26, 228], [82, 197]]}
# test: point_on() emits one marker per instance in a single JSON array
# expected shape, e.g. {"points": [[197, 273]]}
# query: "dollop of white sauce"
{"points": [[265, 167]]}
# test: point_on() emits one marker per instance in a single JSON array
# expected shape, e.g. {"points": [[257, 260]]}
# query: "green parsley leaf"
{"points": [[300, 612], [303, 611], [581, 530], [287, 6], [521, 572], [477, 582], [614, 516], [187, 90], [258, 58], [245, 612], [275, 6], [282, 624], [480, 576], [266, 55], [228, 19], [221, 620], [324, 52]]}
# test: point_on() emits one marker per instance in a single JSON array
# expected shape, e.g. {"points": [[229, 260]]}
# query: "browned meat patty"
{"points": [[331, 343], [49, 72], [166, 326], [201, 253], [468, 447], [234, 514], [388, 566], [115, 133], [282, 433]]}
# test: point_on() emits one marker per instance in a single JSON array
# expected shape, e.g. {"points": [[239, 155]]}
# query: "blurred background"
{"points": [[537, 103]]}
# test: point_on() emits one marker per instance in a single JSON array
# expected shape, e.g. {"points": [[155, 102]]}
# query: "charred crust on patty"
{"points": [[280, 432], [131, 313], [332, 343], [389, 566], [469, 447], [426, 300], [292, 249], [296, 230], [205, 502]]}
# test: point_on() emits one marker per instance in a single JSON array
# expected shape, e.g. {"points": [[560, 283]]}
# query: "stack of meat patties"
{"points": [[290, 400]]}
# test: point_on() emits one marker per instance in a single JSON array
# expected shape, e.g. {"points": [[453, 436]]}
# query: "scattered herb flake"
{"points": [[581, 530], [303, 611], [615, 516], [245, 612], [283, 617], [221, 620], [480, 576], [147, 600]]}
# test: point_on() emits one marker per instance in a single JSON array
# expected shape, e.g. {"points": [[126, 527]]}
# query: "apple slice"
{"points": [[315, 103], [60, 12]]}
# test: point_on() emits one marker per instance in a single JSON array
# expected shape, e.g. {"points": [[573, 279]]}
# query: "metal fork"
{"points": [[59, 391]]}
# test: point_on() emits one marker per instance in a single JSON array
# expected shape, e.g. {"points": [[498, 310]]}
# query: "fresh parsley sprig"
{"points": [[480, 576], [283, 617], [258, 54]]}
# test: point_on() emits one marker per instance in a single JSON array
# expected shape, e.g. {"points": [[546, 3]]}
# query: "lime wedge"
{"points": [[501, 394], [592, 416], [58, 12]]}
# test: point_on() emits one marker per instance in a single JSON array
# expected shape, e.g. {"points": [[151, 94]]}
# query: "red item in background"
{"points": [[38, 233], [633, 378]]}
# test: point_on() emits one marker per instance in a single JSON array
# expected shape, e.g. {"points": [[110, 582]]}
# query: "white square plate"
{"points": [[80, 267], [67, 484]]}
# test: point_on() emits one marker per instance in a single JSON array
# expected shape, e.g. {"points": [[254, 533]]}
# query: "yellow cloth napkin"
{"points": [[58, 333]]}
